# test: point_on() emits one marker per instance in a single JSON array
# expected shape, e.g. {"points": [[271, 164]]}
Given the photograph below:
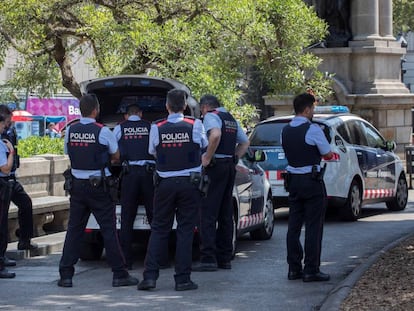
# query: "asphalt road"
{"points": [[258, 280]]}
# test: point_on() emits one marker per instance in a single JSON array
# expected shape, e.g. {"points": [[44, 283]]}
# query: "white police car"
{"points": [[364, 168], [252, 197]]}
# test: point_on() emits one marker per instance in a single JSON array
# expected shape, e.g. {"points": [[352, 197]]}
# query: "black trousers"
{"points": [[25, 211], [173, 196], [5, 194], [137, 187], [216, 217], [4, 210], [85, 199], [307, 205]]}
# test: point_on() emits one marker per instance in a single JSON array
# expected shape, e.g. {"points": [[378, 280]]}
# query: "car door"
{"points": [[385, 161], [366, 155]]}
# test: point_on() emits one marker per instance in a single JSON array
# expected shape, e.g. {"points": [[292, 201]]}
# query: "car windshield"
{"points": [[267, 134]]}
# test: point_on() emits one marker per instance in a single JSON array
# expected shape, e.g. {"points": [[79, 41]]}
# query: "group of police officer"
{"points": [[163, 162]]}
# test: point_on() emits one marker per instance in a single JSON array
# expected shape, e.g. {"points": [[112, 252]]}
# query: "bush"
{"points": [[36, 145]]}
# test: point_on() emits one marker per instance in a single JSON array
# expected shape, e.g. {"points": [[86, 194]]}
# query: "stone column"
{"points": [[385, 19], [365, 20]]}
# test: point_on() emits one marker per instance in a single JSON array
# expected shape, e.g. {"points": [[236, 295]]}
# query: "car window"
{"points": [[374, 140], [356, 133], [343, 130], [267, 134]]}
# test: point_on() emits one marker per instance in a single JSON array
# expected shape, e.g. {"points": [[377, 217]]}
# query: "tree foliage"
{"points": [[403, 12], [210, 45]]}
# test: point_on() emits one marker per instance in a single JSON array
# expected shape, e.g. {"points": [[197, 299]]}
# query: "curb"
{"points": [[335, 298]]}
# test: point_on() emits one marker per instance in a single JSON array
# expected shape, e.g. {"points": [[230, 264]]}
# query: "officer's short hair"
{"points": [[210, 100], [176, 100], [133, 109], [5, 111], [87, 104], [2, 118], [302, 101]]}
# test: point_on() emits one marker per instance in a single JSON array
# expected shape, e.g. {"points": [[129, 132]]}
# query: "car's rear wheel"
{"points": [[351, 211], [266, 231], [399, 202]]}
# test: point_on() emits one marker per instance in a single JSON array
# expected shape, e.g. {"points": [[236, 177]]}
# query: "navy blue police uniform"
{"points": [[20, 197], [177, 142], [137, 178], [89, 156], [216, 240], [303, 143]]}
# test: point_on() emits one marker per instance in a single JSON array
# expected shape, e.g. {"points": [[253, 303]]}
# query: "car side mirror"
{"points": [[255, 155], [259, 156], [390, 145]]}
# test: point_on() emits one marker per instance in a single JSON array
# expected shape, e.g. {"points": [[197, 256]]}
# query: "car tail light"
{"points": [[280, 175], [335, 158]]}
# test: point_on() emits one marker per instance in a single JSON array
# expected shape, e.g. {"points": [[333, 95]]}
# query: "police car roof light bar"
{"points": [[331, 109]]}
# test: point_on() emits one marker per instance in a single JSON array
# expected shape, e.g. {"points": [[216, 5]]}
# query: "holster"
{"points": [[150, 168], [125, 167], [286, 180], [95, 181], [67, 186], [204, 184], [156, 179], [112, 184], [195, 178]]}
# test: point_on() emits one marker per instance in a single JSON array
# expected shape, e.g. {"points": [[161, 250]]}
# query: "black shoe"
{"points": [[126, 281], [65, 282], [316, 277], [295, 275], [5, 274], [9, 262], [204, 266], [27, 245], [190, 285], [147, 284]]}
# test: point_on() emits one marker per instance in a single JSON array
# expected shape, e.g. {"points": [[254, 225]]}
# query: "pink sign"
{"points": [[68, 107]]}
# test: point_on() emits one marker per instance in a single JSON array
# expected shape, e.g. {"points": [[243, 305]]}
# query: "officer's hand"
{"points": [[205, 161]]}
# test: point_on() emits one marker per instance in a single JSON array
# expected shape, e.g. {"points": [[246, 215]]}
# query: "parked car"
{"points": [[364, 168], [252, 198]]}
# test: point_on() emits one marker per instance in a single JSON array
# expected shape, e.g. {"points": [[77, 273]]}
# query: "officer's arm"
{"points": [[241, 149], [214, 137], [115, 157], [6, 168]]}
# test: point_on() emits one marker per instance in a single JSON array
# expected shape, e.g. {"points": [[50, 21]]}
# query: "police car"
{"points": [[252, 197], [364, 168]]}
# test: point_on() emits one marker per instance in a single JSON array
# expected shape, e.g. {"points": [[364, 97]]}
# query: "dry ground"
{"points": [[388, 285]]}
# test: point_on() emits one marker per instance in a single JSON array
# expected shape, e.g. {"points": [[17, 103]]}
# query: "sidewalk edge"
{"points": [[335, 297]]}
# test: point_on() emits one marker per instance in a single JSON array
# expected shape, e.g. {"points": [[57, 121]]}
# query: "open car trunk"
{"points": [[116, 93]]}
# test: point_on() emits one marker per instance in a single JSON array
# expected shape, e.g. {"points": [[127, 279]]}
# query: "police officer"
{"points": [[90, 147], [6, 164], [304, 144], [227, 142], [137, 178], [176, 142], [18, 195]]}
